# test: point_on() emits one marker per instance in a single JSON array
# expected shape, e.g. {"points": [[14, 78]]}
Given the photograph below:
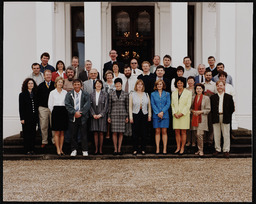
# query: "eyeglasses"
{"points": [[35, 68], [134, 63]]}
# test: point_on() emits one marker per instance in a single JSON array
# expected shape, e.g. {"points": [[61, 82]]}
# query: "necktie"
{"points": [[134, 71], [77, 102], [202, 79], [126, 86], [48, 84], [93, 84]]}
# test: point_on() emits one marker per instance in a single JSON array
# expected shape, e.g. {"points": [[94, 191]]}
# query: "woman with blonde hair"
{"points": [[56, 104], [140, 114]]}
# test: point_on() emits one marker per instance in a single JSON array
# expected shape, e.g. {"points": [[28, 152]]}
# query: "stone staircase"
{"points": [[241, 146]]}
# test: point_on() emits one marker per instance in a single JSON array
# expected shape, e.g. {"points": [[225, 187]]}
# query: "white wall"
{"points": [[244, 68], [19, 52]]}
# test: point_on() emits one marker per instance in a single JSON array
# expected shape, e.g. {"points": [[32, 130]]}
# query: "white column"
{"points": [[179, 32], [226, 41], [208, 31], [164, 29], [45, 35], [92, 38]]}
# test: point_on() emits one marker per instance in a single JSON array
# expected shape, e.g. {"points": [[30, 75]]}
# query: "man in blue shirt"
{"points": [[44, 63]]}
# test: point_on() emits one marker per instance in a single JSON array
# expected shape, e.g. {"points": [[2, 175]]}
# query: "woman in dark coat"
{"points": [[98, 110], [28, 109], [118, 111]]}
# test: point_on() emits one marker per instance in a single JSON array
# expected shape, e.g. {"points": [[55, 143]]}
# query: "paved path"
{"points": [[171, 180]]}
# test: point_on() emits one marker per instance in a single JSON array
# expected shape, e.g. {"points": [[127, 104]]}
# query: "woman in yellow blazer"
{"points": [[181, 103]]}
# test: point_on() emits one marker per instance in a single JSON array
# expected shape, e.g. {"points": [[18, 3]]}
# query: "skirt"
{"points": [[99, 125], [59, 118], [118, 123], [160, 123]]}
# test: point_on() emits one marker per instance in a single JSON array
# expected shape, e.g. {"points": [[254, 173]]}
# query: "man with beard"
{"points": [[68, 83], [128, 86]]}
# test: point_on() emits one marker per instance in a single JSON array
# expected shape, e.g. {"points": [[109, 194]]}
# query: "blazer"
{"points": [[118, 106], [84, 106], [108, 66], [26, 108], [183, 104], [88, 86], [56, 74], [159, 104], [102, 103], [206, 108], [228, 108], [197, 79], [83, 76], [43, 93]]}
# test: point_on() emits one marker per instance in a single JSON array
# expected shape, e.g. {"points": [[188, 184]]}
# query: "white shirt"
{"points": [[200, 78], [173, 88], [229, 89], [191, 72], [211, 86], [120, 75], [56, 98], [137, 72], [131, 83], [97, 97], [221, 96], [62, 75]]}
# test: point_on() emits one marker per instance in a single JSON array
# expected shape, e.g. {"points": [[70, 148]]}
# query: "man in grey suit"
{"points": [[77, 103], [89, 84], [75, 64]]}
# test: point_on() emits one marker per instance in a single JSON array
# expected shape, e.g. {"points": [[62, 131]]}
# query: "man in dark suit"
{"points": [[170, 72], [160, 74], [222, 107], [77, 103], [84, 75], [75, 64], [44, 90], [108, 65], [200, 78]]}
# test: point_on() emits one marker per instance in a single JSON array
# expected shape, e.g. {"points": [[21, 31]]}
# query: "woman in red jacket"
{"points": [[60, 71]]}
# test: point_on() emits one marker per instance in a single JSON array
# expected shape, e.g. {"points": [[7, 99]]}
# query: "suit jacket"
{"points": [[118, 106], [197, 80], [56, 74], [159, 104], [183, 104], [26, 108], [83, 76], [88, 86], [102, 103], [228, 108], [206, 108], [43, 93], [108, 66], [84, 106]]}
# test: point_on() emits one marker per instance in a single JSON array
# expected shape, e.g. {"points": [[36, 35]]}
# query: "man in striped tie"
{"points": [[77, 103]]}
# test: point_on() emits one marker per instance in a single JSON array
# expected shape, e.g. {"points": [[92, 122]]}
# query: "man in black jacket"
{"points": [[44, 90], [222, 107]]}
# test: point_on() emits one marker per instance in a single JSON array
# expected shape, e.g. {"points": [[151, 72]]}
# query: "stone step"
{"points": [[109, 156]]}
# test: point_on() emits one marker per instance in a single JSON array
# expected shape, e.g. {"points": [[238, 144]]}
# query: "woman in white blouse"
{"points": [[116, 72], [59, 116], [140, 114]]}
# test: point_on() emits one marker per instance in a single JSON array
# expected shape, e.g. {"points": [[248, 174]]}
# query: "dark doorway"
{"points": [[133, 32], [77, 27], [191, 31]]}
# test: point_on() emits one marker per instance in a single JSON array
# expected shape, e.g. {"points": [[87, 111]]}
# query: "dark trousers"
{"points": [[29, 135], [140, 127], [74, 127]]}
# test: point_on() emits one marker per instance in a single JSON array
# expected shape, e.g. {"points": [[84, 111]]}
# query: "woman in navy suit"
{"points": [[160, 102], [28, 109]]}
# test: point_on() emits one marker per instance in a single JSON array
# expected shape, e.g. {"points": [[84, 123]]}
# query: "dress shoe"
{"points": [[226, 155], [134, 153], [165, 153], [100, 153], [197, 153], [157, 153], [43, 145], [120, 153], [62, 153], [215, 153], [201, 154], [28, 153], [114, 153], [181, 153], [176, 152]]}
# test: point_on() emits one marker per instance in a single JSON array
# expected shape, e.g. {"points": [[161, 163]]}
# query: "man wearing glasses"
{"points": [[108, 65], [89, 84], [135, 71], [36, 74]]}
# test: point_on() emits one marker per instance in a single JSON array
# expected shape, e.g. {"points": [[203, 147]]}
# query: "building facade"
{"points": [[91, 29]]}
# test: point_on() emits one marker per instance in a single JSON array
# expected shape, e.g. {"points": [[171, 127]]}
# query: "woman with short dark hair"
{"points": [[28, 109], [60, 71], [200, 109], [181, 103], [98, 110]]}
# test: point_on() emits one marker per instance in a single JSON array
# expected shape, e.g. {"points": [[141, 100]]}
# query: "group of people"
{"points": [[196, 103]]}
